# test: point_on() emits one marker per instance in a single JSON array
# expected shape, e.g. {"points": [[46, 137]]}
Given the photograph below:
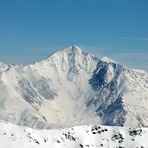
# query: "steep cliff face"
{"points": [[73, 87]]}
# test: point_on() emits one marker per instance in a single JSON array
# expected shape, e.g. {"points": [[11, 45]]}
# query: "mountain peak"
{"points": [[73, 49]]}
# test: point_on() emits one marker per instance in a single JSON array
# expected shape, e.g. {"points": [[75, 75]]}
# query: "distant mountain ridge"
{"points": [[73, 87]]}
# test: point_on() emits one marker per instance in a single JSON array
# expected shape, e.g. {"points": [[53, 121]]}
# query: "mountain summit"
{"points": [[73, 87]]}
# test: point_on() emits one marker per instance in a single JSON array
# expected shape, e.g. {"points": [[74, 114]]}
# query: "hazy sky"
{"points": [[31, 30]]}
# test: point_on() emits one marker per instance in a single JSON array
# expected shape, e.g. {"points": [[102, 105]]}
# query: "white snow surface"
{"points": [[70, 88], [108, 60], [88, 136]]}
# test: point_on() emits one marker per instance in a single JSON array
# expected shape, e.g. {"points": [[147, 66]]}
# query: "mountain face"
{"points": [[73, 87]]}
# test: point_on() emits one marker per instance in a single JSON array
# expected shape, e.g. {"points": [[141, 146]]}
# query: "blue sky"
{"points": [[31, 30]]}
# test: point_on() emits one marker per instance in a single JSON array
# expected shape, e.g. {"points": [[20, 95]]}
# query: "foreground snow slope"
{"points": [[89, 136], [73, 87]]}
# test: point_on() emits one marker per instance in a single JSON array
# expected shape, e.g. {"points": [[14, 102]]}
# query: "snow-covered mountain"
{"points": [[73, 87], [89, 136]]}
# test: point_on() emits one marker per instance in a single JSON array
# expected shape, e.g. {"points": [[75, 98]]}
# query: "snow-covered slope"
{"points": [[108, 60], [89, 136], [73, 87]]}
